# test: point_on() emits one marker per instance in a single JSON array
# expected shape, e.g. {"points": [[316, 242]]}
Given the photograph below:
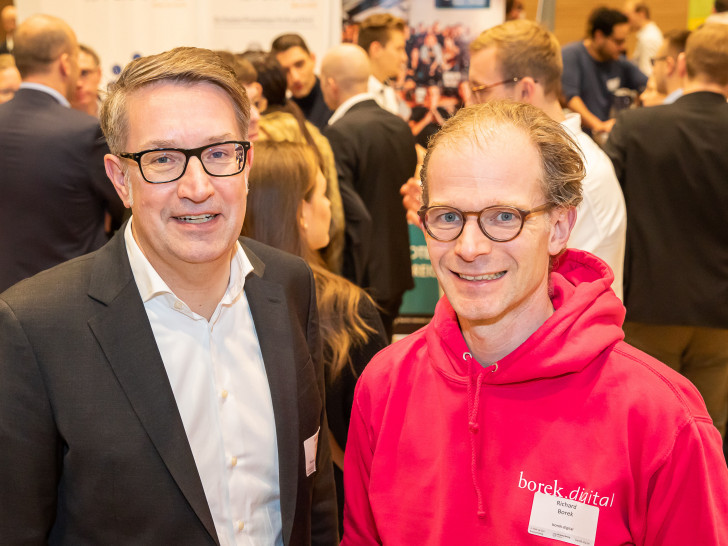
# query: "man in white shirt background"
{"points": [[649, 36], [382, 37], [521, 61]]}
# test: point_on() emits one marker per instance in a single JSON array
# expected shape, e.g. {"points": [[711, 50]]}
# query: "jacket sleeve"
{"points": [[688, 500], [324, 519], [29, 443], [360, 528]]}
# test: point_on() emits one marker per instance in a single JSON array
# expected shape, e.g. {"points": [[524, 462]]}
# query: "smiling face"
{"points": [[194, 220], [488, 282]]}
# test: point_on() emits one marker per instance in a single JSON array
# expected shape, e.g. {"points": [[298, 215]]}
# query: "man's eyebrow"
{"points": [[163, 143]]}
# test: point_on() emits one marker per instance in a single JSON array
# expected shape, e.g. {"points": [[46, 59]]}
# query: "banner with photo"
{"points": [[121, 30]]}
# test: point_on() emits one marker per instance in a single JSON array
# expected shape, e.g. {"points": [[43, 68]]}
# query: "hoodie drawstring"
{"points": [[473, 402]]}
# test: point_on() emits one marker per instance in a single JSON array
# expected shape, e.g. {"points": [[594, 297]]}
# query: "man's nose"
{"points": [[472, 241], [195, 185]]}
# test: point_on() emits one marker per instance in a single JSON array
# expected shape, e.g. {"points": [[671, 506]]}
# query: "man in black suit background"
{"points": [[55, 192], [672, 162], [375, 155], [168, 388]]}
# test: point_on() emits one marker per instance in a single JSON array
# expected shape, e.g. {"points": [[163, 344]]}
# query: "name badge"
{"points": [[310, 448], [563, 519]]}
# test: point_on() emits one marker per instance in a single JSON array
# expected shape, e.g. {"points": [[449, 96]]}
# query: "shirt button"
{"points": [[239, 525], [178, 305], [233, 462], [224, 394]]}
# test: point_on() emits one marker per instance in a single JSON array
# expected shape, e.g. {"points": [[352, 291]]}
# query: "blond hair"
{"points": [[182, 65], [524, 48], [706, 53], [281, 179], [562, 164]]}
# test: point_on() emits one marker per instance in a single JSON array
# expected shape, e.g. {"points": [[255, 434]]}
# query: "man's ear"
{"points": [[115, 172], [682, 68], [563, 220], [526, 89], [375, 48], [64, 63]]}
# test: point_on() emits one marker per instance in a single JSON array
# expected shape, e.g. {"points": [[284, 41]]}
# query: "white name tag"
{"points": [[310, 448], [563, 519]]}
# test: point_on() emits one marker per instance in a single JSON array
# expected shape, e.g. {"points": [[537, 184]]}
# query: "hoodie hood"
{"points": [[587, 319]]}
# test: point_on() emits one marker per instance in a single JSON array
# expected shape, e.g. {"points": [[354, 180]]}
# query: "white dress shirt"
{"points": [[601, 218], [221, 388], [386, 97]]}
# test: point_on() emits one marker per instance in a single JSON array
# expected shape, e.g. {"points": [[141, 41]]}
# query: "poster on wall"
{"points": [[430, 88], [438, 33], [121, 30]]}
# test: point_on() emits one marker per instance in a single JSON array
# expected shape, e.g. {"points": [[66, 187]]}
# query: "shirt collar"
{"points": [[151, 285], [573, 123], [345, 106], [45, 89], [672, 97]]}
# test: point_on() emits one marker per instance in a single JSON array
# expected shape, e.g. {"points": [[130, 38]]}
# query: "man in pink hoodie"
{"points": [[519, 415]]}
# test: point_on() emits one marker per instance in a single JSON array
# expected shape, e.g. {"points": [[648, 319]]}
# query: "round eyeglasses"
{"points": [[164, 165], [498, 223]]}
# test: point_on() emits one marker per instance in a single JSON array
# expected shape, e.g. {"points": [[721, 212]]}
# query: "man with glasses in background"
{"points": [[521, 61], [595, 68], [168, 389], [519, 412]]}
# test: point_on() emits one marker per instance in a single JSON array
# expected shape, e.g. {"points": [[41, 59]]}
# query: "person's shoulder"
{"points": [[54, 290], [572, 49], [653, 391], [396, 362]]}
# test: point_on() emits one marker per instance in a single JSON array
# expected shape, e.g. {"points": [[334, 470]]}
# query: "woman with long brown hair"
{"points": [[288, 209]]}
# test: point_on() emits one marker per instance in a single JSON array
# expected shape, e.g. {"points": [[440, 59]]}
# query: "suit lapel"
{"points": [[124, 334], [270, 315]]}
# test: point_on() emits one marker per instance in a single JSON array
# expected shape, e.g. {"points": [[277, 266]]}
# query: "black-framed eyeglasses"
{"points": [[499, 223], [475, 89], [654, 60], [169, 164]]}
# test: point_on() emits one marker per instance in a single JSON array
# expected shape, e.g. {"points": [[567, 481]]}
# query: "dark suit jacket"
{"points": [[93, 447], [375, 155], [672, 162], [53, 184]]}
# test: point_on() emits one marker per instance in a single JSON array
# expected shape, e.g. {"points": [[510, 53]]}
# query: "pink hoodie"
{"points": [[444, 451]]}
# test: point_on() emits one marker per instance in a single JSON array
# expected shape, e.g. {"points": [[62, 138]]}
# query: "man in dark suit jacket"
{"points": [[375, 155], [672, 162], [168, 388], [56, 196]]}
